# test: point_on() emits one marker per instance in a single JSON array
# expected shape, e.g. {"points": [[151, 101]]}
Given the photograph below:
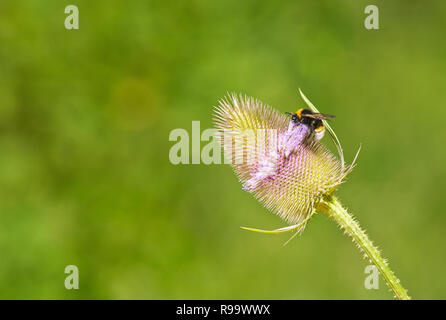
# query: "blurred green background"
{"points": [[85, 117]]}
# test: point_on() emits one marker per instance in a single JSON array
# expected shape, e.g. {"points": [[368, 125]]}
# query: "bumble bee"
{"points": [[312, 120]]}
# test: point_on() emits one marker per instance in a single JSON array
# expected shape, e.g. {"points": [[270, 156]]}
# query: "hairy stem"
{"points": [[333, 208]]}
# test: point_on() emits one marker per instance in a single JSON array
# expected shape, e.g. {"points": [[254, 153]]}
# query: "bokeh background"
{"points": [[85, 117]]}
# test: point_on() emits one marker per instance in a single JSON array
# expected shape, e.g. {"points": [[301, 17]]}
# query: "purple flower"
{"points": [[280, 162]]}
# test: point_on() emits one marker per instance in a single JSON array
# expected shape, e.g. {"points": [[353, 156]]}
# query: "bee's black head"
{"points": [[299, 116]]}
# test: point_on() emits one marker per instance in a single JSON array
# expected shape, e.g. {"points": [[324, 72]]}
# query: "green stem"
{"points": [[333, 208]]}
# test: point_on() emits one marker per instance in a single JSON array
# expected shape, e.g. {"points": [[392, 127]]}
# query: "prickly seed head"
{"points": [[279, 162]]}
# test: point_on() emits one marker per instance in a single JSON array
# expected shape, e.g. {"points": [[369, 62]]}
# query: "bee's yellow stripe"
{"points": [[299, 113]]}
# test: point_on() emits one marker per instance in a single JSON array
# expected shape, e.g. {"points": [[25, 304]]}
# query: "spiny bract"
{"points": [[254, 138]]}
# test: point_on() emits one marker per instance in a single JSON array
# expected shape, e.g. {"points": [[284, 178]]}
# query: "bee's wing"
{"points": [[321, 116], [326, 115]]}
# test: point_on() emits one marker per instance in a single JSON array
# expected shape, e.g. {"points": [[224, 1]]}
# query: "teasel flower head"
{"points": [[280, 162]]}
